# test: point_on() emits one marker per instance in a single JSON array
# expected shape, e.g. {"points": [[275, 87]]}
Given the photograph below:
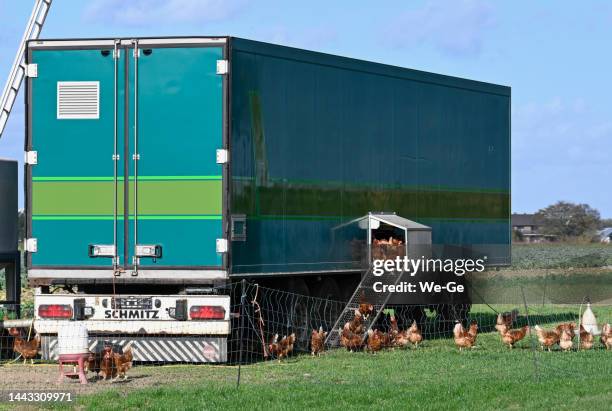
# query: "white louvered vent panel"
{"points": [[78, 99]]}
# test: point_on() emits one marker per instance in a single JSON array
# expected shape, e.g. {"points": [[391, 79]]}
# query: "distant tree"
{"points": [[517, 236], [605, 223], [568, 219]]}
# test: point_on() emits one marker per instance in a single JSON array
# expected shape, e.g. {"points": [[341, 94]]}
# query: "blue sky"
{"points": [[554, 54]]}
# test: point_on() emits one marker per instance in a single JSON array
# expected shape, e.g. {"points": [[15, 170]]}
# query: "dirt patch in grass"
{"points": [[17, 376]]}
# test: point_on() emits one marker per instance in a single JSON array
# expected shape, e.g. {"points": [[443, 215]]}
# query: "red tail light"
{"points": [[55, 311], [207, 312]]}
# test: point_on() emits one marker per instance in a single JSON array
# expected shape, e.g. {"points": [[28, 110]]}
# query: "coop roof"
{"points": [[397, 221], [387, 218]]}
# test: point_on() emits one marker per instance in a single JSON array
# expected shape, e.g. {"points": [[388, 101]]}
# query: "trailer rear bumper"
{"points": [[38, 276], [141, 327], [153, 348]]}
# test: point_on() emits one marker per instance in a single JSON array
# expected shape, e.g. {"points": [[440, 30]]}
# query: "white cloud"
{"points": [[315, 38], [560, 150], [560, 132], [149, 12], [455, 27]]}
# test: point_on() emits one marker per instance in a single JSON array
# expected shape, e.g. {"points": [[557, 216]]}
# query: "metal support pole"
{"points": [[241, 331], [531, 339], [115, 154], [136, 156], [18, 70]]}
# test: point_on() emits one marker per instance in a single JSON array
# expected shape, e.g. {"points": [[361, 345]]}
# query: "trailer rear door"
{"points": [[176, 195], [136, 122], [71, 134]]}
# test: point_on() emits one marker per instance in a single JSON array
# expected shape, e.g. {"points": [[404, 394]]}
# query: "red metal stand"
{"points": [[78, 359]]}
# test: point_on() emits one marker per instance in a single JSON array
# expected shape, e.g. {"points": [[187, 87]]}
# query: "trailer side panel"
{"points": [[318, 140]]}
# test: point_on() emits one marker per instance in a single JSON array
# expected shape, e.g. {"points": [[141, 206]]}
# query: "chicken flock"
{"points": [[281, 349], [110, 364], [353, 336], [563, 335], [106, 363]]}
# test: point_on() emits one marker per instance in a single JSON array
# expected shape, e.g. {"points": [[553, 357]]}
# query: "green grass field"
{"points": [[560, 255], [435, 376]]}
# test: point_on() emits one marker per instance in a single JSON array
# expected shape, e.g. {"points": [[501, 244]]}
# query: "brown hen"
{"points": [[317, 341], [123, 362], [27, 349], [511, 337], [547, 338]]}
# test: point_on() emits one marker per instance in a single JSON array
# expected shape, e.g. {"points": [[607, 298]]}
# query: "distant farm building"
{"points": [[605, 235], [527, 229]]}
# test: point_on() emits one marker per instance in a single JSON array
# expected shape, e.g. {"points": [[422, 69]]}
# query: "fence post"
{"points": [[534, 346], [240, 332], [545, 286]]}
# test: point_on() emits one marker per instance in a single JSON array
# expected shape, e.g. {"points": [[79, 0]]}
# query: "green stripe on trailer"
{"points": [[140, 178], [286, 199], [202, 197], [120, 217]]}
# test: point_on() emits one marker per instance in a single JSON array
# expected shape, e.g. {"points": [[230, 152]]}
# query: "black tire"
{"points": [[408, 313], [328, 289], [299, 313], [449, 314], [347, 285], [328, 308]]}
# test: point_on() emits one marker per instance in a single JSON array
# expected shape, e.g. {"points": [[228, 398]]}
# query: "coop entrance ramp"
{"points": [[363, 294], [387, 236]]}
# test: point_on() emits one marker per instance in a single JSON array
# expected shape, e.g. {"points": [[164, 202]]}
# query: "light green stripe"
{"points": [[178, 217], [168, 178], [140, 178], [202, 197], [110, 217], [348, 218], [72, 178], [219, 217], [329, 184]]}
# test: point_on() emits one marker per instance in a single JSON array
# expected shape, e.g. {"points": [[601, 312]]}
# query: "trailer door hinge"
{"points": [[222, 67], [222, 156], [116, 54], [31, 157], [31, 70], [30, 245], [221, 245]]}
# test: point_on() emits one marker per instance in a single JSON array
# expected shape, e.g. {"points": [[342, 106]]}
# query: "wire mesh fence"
{"points": [[266, 326]]}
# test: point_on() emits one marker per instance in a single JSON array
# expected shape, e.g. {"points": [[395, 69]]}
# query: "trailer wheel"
{"points": [[328, 307], [328, 290], [406, 314], [449, 314], [299, 314]]}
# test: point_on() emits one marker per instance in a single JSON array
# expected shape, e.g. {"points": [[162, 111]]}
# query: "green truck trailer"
{"points": [[159, 168]]}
